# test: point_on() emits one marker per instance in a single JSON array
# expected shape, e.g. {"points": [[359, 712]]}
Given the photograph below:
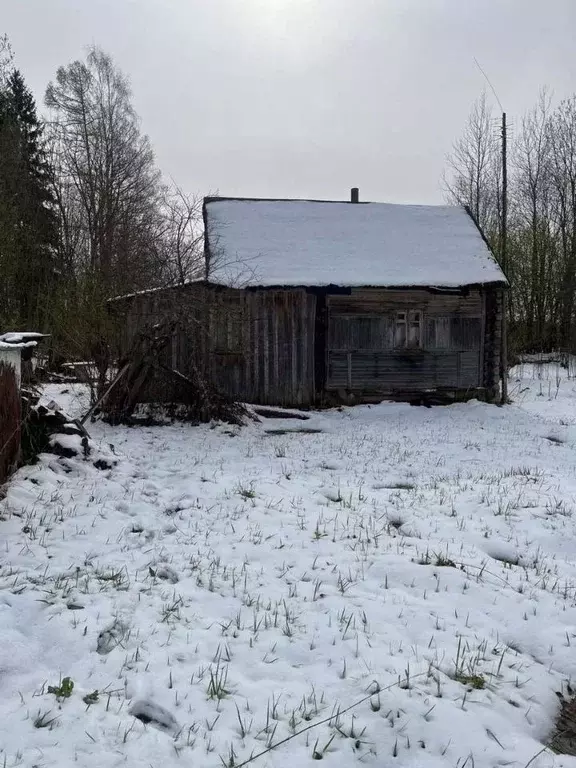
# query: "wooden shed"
{"points": [[313, 302]]}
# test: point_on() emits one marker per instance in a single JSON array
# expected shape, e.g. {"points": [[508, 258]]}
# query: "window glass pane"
{"points": [[414, 335], [400, 335]]}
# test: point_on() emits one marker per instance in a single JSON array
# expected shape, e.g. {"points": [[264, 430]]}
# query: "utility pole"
{"points": [[503, 242], [504, 261]]}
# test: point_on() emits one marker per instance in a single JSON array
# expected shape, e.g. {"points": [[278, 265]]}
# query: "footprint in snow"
{"points": [[150, 713], [109, 638], [164, 572]]}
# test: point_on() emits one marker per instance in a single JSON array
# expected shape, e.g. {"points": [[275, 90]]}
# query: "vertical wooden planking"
{"points": [[275, 345], [312, 339], [482, 350], [256, 394], [248, 340], [303, 344], [293, 353], [265, 347]]}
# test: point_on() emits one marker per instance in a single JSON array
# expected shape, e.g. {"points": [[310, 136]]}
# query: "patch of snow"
{"points": [[219, 591], [73, 398], [70, 443], [296, 242]]}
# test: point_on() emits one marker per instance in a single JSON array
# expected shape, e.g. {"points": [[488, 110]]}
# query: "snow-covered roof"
{"points": [[301, 242]]}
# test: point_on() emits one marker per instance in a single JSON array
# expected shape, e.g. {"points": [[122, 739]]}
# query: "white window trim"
{"points": [[408, 318]]}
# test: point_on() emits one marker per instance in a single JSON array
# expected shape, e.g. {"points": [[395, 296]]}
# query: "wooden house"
{"points": [[311, 302]]}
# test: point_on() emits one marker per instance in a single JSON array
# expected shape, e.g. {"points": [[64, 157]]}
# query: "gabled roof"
{"points": [[314, 243]]}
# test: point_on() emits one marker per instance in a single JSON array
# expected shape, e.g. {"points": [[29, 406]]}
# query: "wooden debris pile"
{"points": [[130, 397]]}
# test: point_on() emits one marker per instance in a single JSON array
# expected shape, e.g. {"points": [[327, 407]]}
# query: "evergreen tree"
{"points": [[28, 222]]}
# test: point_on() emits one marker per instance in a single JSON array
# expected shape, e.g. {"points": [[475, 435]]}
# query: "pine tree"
{"points": [[28, 222]]}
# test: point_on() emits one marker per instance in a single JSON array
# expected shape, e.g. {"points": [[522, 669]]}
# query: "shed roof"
{"points": [[314, 243]]}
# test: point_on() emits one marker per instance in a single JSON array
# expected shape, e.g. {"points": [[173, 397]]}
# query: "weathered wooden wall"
{"points": [[291, 346], [363, 355], [493, 309], [256, 346]]}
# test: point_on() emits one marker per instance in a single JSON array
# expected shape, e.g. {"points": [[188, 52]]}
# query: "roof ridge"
{"points": [[222, 199]]}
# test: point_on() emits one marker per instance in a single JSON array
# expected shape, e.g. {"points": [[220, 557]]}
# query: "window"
{"points": [[408, 330]]}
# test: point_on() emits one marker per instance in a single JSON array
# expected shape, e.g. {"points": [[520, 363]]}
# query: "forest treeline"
{"points": [[541, 243]]}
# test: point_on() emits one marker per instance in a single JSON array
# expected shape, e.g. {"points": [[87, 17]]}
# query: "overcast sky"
{"points": [[306, 98]]}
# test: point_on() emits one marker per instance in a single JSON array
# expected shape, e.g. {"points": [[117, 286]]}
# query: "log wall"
{"points": [[368, 353]]}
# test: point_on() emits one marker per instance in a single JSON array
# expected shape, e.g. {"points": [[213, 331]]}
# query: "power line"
{"points": [[489, 83]]}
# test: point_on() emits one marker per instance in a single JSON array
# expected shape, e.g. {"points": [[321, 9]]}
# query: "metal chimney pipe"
{"points": [[354, 195]]}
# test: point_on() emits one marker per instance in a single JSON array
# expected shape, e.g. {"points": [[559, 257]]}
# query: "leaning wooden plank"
{"points": [[177, 374], [140, 374], [99, 402]]}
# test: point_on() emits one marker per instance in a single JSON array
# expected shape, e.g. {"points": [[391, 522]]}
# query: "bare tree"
{"points": [[473, 176], [106, 163], [183, 236], [108, 191], [532, 264], [6, 58], [562, 136]]}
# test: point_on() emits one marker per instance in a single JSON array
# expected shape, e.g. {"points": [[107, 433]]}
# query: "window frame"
{"points": [[405, 321]]}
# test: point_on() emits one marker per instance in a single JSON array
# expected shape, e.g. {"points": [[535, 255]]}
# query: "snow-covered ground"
{"points": [[395, 586]]}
